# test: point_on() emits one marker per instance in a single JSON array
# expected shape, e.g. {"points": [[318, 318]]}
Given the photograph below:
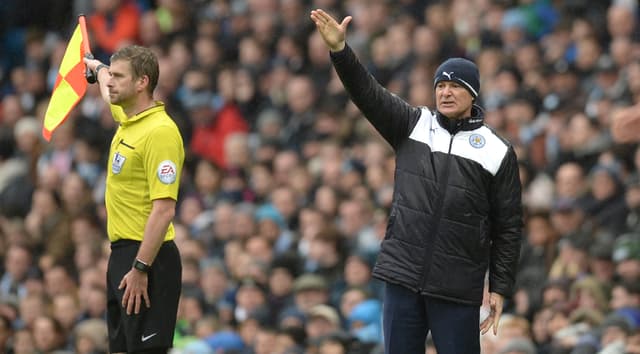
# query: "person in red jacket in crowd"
{"points": [[114, 24], [212, 125]]}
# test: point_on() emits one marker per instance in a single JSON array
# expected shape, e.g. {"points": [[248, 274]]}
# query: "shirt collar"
{"points": [[475, 121], [122, 118]]}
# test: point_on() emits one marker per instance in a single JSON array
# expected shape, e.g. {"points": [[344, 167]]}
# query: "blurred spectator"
{"points": [[57, 159], [358, 270], [588, 294], [265, 340], [114, 24], [23, 342], [29, 308], [17, 263], [66, 310], [6, 333], [626, 255], [48, 224], [621, 20], [570, 181], [150, 32], [12, 167], [310, 290], [625, 295], [539, 249], [173, 16], [212, 125], [600, 263], [326, 255], [605, 203], [284, 269], [290, 340], [28, 143], [250, 297], [214, 283], [615, 330], [49, 335], [518, 346], [90, 337], [321, 320], [365, 321], [301, 102], [225, 341], [567, 217], [355, 223]]}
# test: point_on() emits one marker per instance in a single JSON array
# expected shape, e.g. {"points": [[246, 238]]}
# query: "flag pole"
{"points": [[89, 75]]}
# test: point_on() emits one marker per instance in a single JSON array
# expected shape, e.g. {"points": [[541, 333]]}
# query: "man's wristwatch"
{"points": [[100, 67], [141, 266]]}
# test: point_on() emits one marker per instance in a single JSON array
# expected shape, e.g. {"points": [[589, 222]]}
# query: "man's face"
{"points": [[123, 87], [453, 100], [629, 269]]}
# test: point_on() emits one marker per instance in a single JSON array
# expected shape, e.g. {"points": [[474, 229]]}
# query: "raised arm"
{"points": [[392, 117], [102, 75]]}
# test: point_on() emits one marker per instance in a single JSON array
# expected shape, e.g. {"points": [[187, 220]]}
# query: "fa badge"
{"points": [[476, 140], [116, 164], [167, 172]]}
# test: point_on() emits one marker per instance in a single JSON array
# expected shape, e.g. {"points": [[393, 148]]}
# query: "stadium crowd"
{"points": [[286, 190]]}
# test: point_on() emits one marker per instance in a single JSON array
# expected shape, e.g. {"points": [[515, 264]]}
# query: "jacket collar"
{"points": [[475, 121]]}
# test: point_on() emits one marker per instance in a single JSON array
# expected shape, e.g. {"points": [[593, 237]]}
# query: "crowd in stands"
{"points": [[286, 188]]}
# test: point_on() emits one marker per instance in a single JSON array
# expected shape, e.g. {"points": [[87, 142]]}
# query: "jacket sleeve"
{"points": [[392, 117], [506, 229]]}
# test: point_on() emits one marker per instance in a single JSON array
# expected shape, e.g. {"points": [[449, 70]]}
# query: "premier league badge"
{"points": [[116, 164]]}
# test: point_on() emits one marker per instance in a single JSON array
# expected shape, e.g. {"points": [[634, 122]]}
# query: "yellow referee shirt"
{"points": [[145, 163]]}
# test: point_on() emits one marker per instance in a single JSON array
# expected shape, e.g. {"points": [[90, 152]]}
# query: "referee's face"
{"points": [[124, 89]]}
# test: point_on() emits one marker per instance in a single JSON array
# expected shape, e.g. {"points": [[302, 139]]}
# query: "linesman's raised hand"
{"points": [[332, 32]]}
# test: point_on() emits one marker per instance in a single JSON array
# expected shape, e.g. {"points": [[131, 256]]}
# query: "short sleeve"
{"points": [[163, 160]]}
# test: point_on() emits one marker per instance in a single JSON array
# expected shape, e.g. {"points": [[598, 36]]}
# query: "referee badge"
{"points": [[476, 140], [167, 172], [116, 164]]}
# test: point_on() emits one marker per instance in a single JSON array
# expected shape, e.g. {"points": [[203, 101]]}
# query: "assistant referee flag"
{"points": [[71, 83]]}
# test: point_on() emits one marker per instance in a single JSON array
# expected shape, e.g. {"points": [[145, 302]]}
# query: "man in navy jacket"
{"points": [[456, 210]]}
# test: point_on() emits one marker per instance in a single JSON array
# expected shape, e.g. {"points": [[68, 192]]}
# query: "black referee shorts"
{"points": [[153, 327]]}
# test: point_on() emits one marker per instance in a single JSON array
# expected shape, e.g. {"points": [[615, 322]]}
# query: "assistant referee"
{"points": [[145, 162]]}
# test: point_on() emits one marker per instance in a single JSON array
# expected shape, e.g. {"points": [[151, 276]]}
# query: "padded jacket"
{"points": [[456, 209]]}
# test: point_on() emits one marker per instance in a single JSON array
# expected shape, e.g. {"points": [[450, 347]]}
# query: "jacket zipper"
{"points": [[426, 267]]}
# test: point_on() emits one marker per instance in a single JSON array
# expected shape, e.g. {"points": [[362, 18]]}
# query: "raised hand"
{"points": [[332, 32]]}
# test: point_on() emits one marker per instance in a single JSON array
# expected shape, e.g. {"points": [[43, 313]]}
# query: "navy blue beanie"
{"points": [[462, 71]]}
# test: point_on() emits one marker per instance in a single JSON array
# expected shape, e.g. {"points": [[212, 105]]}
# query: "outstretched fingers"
{"points": [[332, 32], [486, 325], [320, 16]]}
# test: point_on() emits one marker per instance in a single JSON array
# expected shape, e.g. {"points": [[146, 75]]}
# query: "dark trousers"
{"points": [[151, 331], [408, 317]]}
